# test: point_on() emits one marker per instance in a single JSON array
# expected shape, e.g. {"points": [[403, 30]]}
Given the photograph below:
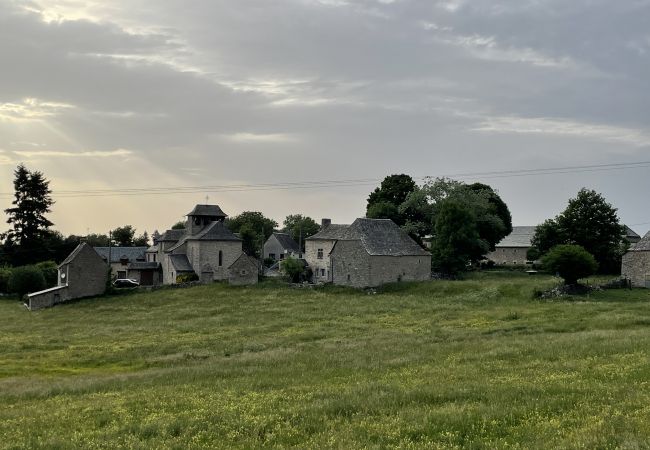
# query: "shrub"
{"points": [[50, 272], [5, 274], [293, 269], [26, 279], [571, 262], [187, 277]]}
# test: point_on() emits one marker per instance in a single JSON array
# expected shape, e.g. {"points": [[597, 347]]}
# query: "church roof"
{"points": [[207, 210]]}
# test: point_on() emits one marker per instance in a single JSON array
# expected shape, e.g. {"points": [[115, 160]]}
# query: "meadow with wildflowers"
{"points": [[476, 363]]}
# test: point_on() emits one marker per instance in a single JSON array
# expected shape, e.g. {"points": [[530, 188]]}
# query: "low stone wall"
{"points": [[47, 298]]}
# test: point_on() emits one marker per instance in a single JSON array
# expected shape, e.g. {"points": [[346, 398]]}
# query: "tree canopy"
{"points": [[590, 222], [300, 227], [384, 201], [571, 262], [253, 228]]}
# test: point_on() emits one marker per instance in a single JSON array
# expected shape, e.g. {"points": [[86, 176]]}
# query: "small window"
{"points": [[281, 256], [272, 256], [243, 272], [154, 257], [220, 258], [348, 278], [320, 253], [121, 274], [322, 272]]}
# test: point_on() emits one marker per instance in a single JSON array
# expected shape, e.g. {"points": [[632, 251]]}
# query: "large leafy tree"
{"points": [[590, 222], [384, 202], [300, 227], [123, 236], [571, 262], [253, 228]]}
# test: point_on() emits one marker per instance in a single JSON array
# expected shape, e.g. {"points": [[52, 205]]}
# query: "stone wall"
{"points": [[351, 265], [317, 265], [48, 298], [509, 255], [636, 267], [243, 272], [86, 274], [208, 253]]}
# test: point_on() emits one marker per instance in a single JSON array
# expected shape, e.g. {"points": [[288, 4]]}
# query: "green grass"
{"points": [[468, 364]]}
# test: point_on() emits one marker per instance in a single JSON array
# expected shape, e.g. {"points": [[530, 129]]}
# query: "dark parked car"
{"points": [[125, 283]]}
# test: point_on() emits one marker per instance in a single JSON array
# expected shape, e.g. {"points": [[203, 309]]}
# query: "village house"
{"points": [[244, 271], [84, 273], [279, 246], [368, 253], [120, 258], [636, 263], [204, 247], [513, 248]]}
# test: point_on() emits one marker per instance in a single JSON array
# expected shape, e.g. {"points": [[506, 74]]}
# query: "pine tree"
{"points": [[32, 201]]}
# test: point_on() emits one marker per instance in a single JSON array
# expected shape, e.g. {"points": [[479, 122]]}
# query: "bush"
{"points": [[5, 274], [571, 262], [187, 277], [50, 272], [26, 279], [293, 269]]}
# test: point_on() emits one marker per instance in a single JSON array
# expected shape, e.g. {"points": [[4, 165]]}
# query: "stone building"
{"points": [[636, 263], [120, 258], [84, 273], [368, 253], [318, 248], [244, 271], [279, 246], [205, 247], [513, 248]]}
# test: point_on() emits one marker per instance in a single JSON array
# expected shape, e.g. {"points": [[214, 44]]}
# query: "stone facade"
{"points": [[317, 255], [636, 263], [279, 246], [82, 274], [244, 271], [509, 255]]}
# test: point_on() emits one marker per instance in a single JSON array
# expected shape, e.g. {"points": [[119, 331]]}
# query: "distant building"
{"points": [[120, 258], [82, 274], [513, 248], [636, 263], [279, 246], [368, 253], [244, 271]]}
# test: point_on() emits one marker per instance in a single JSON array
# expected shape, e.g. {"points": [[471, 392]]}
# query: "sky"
{"points": [[142, 94]]}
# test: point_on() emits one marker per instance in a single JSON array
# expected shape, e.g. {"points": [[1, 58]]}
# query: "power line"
{"points": [[338, 183]]}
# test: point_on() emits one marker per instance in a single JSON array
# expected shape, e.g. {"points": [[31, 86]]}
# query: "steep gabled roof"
{"points": [[381, 237], [643, 245], [119, 253], [207, 210], [330, 232], [74, 254], [181, 263], [216, 231], [172, 235], [245, 260], [287, 242], [630, 233], [520, 237]]}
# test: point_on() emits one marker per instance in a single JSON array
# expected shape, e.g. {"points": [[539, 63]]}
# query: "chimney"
{"points": [[324, 223]]}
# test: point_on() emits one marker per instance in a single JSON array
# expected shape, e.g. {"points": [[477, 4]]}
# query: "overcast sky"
{"points": [[162, 93]]}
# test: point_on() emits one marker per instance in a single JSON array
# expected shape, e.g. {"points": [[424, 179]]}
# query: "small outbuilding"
{"points": [[244, 271], [636, 263], [82, 274], [279, 246]]}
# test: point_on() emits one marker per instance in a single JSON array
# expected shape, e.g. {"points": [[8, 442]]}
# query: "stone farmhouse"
{"points": [[123, 261], [636, 263], [84, 273], [368, 253], [205, 247], [513, 248], [279, 246]]}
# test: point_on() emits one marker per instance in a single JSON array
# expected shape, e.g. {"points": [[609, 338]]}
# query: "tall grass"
{"points": [[451, 364]]}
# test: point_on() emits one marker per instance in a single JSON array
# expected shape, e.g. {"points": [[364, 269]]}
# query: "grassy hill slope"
{"points": [[475, 363]]}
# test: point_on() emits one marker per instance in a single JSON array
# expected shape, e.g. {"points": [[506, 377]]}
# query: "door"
{"points": [[146, 278]]}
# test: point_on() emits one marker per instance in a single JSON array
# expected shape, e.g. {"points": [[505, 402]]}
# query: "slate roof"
{"points": [[172, 235], [207, 210], [630, 233], [643, 245], [118, 253], [520, 237], [245, 260], [216, 231], [330, 232], [74, 254], [381, 237], [287, 242], [144, 265], [181, 263]]}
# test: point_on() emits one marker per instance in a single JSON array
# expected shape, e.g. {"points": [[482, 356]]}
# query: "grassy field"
{"points": [[469, 364]]}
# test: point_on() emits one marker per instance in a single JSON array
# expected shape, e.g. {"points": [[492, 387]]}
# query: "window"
{"points": [[322, 272], [272, 256], [281, 256], [154, 257], [348, 278], [220, 258], [121, 274], [243, 272], [319, 253]]}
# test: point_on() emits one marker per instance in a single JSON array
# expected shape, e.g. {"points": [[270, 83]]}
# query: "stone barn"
{"points": [[372, 252], [636, 263], [82, 274], [244, 271]]}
